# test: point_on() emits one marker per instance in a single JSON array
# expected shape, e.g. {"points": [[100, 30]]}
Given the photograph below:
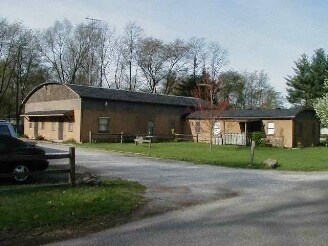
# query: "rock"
{"points": [[88, 179], [271, 163]]}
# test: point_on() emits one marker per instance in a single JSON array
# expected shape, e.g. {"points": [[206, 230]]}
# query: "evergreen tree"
{"points": [[187, 86], [308, 82]]}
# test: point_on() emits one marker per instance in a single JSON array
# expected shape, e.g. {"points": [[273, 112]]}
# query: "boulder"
{"points": [[271, 163], [88, 179]]}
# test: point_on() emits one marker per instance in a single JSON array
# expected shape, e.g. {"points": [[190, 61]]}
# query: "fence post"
{"points": [[150, 143], [197, 138], [121, 137], [252, 152], [72, 165], [90, 137]]}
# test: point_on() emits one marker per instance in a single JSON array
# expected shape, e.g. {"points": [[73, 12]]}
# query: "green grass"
{"points": [[28, 207], [305, 159]]}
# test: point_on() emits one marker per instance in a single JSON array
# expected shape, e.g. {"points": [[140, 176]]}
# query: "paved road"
{"points": [[213, 205]]}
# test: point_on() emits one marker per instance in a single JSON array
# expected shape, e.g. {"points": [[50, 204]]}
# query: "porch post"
{"points": [[245, 143], [223, 135]]}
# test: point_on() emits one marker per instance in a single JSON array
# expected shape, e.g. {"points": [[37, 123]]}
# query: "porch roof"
{"points": [[52, 113]]}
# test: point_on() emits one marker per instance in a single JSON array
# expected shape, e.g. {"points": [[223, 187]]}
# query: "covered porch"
{"points": [[48, 124], [236, 131]]}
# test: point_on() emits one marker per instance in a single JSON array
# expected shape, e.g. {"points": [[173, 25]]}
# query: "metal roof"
{"points": [[247, 114]]}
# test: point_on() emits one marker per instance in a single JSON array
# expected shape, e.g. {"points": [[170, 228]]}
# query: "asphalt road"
{"points": [[206, 205]]}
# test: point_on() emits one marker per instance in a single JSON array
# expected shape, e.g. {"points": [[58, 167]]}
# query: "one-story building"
{"points": [[67, 111], [282, 127], [73, 112]]}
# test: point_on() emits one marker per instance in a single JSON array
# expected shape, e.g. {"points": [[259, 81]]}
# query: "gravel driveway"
{"points": [[213, 205]]}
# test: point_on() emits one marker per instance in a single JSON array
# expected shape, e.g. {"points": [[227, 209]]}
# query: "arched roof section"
{"points": [[47, 85]]}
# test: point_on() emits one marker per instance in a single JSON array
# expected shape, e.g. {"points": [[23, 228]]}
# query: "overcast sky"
{"points": [[258, 34]]}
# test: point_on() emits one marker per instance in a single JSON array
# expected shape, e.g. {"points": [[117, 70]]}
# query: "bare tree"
{"points": [[77, 54], [129, 45], [158, 60], [98, 56], [177, 52], [118, 65], [195, 54], [151, 60], [258, 93], [215, 59], [20, 65], [54, 45]]}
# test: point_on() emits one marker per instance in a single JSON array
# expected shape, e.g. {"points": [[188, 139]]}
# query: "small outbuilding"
{"points": [[68, 111], [281, 127]]}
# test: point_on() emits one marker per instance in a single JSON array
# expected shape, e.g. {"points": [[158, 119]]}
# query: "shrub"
{"points": [[39, 137], [259, 138], [70, 141]]}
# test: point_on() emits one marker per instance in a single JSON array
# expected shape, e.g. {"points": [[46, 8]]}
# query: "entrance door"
{"points": [[60, 130], [36, 129]]}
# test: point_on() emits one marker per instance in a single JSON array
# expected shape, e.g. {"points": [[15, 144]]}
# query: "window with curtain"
{"points": [[103, 124], [271, 128]]}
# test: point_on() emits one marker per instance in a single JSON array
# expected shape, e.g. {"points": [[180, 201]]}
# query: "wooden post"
{"points": [[90, 137], [197, 138], [121, 137], [224, 133], [252, 151], [150, 143], [246, 134], [72, 165]]}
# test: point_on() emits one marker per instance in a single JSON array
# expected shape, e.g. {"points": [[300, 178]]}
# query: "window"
{"points": [[70, 126], [53, 126], [103, 124], [197, 127], [270, 128], [150, 128]]}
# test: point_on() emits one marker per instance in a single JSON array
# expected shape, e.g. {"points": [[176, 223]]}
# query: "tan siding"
{"points": [[53, 105], [283, 133], [49, 98], [52, 93]]}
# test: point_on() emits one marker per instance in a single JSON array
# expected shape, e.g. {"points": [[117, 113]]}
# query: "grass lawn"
{"points": [[26, 209], [305, 159]]}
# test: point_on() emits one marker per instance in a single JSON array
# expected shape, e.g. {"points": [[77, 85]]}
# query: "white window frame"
{"points": [[271, 127]]}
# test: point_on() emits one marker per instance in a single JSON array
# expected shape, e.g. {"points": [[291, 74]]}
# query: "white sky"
{"points": [[259, 35]]}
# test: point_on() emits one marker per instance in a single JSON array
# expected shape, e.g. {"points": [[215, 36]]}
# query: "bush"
{"points": [[70, 141], [259, 138], [39, 137]]}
